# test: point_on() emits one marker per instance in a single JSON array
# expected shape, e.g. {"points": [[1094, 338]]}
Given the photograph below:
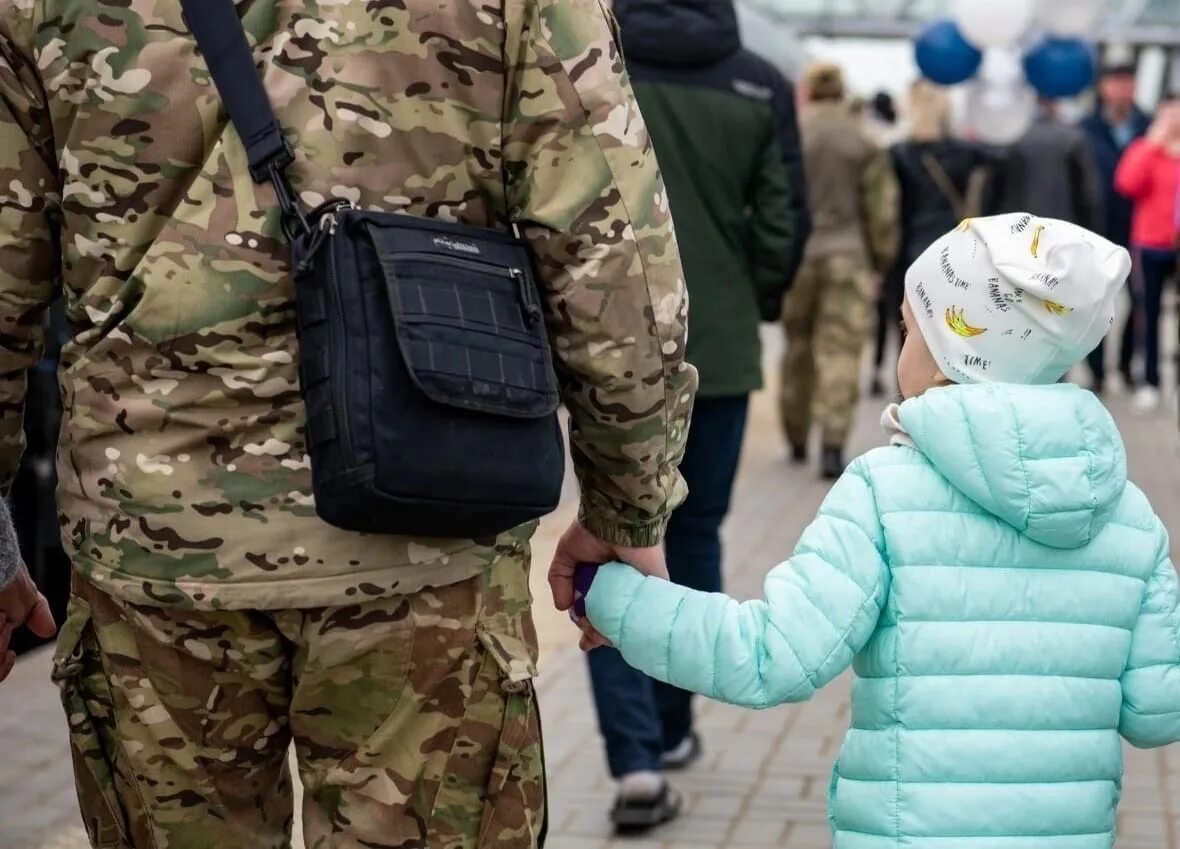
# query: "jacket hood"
{"points": [[1048, 460], [678, 33]]}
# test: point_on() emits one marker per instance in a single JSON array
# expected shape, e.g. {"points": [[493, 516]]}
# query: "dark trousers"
{"points": [[1151, 271], [889, 312], [640, 719], [1097, 358]]}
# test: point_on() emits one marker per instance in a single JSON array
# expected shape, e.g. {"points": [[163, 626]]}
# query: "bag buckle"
{"points": [[264, 170], [273, 170]]}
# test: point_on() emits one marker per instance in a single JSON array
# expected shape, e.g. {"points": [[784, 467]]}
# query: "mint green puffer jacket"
{"points": [[1007, 602]]}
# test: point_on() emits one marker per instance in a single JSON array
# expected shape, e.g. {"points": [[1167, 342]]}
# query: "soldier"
{"points": [[215, 620], [828, 312]]}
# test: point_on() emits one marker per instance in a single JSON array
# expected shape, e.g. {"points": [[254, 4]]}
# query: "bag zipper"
{"points": [[528, 300], [328, 226]]}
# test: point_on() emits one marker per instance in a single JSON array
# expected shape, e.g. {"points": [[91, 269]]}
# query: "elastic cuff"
{"points": [[613, 532]]}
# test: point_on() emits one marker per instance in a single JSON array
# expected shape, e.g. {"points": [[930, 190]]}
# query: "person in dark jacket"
{"points": [[722, 123], [1114, 124], [942, 180], [1051, 173]]}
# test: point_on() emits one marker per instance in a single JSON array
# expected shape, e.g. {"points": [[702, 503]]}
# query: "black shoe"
{"points": [[877, 388], [684, 755], [798, 454], [832, 465], [637, 816]]}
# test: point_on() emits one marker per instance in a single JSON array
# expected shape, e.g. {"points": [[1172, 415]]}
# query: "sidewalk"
{"points": [[764, 778]]}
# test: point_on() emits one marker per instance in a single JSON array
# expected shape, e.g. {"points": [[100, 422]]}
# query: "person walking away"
{"points": [[1149, 175], [1005, 597], [722, 122], [828, 313], [881, 120], [942, 180], [1114, 124], [215, 618], [883, 126], [1051, 173]]}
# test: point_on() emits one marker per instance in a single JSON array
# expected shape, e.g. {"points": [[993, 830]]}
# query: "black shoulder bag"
{"points": [[424, 359]]}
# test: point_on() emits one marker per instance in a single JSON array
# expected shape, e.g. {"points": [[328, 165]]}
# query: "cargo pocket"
{"points": [[89, 706], [493, 791], [514, 810]]}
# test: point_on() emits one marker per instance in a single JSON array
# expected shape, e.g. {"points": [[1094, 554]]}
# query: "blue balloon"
{"points": [[1060, 67], [944, 56]]}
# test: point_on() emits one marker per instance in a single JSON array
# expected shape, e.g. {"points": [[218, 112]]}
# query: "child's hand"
{"points": [[591, 639]]}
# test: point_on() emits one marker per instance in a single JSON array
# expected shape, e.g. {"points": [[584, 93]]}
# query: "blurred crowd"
{"points": [[1114, 172]]}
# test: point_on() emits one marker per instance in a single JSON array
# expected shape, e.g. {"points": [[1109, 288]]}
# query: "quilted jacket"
{"points": [[1008, 604]]}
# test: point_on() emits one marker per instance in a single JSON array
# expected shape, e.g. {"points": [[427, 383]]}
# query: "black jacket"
{"points": [[1107, 153], [926, 211], [1051, 173], [722, 122]]}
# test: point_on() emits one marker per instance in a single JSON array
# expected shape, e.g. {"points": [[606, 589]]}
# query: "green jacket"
{"points": [[723, 125]]}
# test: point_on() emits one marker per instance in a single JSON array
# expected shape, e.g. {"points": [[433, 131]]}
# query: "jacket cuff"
{"points": [[616, 532], [610, 597]]}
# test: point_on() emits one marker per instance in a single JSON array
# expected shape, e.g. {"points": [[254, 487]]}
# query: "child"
{"points": [[1003, 594]]}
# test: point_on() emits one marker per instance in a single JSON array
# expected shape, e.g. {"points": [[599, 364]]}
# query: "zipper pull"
{"points": [[528, 301], [326, 229]]}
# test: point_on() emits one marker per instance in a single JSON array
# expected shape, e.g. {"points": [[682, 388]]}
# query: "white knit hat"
{"points": [[1015, 298]]}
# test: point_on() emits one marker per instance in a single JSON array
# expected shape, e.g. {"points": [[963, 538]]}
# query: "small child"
{"points": [[1005, 597]]}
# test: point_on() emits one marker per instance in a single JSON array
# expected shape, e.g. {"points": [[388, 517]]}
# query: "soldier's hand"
{"points": [[22, 605], [578, 545]]}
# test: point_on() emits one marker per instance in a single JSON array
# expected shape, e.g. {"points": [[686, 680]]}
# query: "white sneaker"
{"points": [[1147, 400]]}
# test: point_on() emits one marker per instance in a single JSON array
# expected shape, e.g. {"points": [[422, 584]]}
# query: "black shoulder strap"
{"points": [[218, 31], [219, 34]]}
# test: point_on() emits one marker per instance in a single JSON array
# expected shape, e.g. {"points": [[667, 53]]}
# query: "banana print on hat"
{"points": [[1015, 298], [956, 322]]}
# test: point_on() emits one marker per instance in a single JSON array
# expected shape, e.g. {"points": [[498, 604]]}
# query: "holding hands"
{"points": [[579, 547]]}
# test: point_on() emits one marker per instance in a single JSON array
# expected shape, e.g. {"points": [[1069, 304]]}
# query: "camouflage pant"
{"points": [[827, 317], [414, 721]]}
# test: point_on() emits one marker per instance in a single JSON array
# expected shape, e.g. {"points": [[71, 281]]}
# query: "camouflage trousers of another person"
{"points": [[827, 318], [414, 720]]}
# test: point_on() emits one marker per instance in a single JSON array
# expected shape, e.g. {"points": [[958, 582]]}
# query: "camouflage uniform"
{"points": [[405, 734], [185, 482], [828, 312]]}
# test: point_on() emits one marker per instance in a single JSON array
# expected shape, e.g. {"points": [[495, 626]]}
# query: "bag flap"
{"points": [[470, 331]]}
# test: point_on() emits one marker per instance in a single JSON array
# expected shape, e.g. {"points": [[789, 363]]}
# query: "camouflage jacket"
{"points": [[853, 189], [184, 476]]}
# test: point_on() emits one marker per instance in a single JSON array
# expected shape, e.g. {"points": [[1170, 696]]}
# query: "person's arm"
{"points": [[880, 210], [821, 608], [1151, 683], [1133, 176], [29, 258], [781, 219], [583, 183], [29, 272]]}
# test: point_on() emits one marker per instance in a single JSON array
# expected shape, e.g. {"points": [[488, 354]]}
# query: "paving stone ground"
{"points": [[764, 778]]}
